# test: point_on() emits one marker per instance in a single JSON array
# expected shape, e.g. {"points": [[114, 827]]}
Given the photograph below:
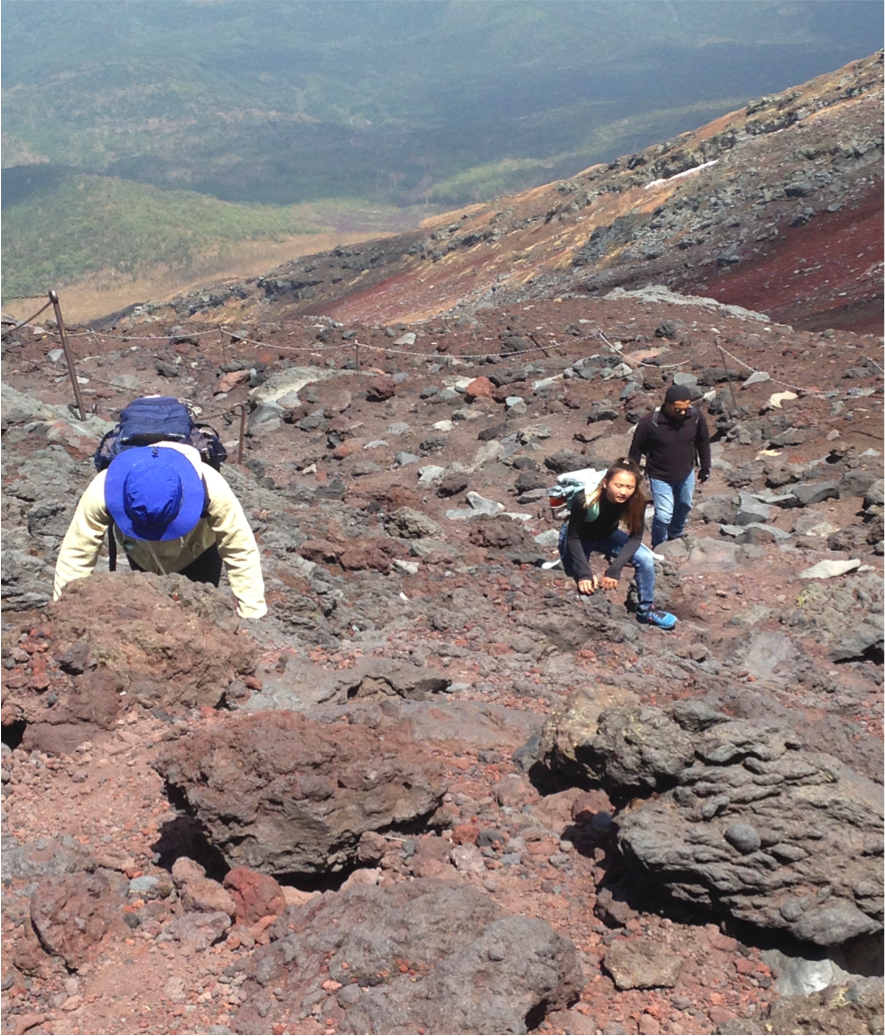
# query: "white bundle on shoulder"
{"points": [[571, 484]]}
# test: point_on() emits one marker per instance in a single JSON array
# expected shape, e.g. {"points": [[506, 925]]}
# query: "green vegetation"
{"points": [[492, 180], [177, 84], [616, 135], [85, 224], [397, 102]]}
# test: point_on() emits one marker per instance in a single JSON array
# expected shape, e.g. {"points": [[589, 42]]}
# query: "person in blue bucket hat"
{"points": [[171, 513], [154, 493]]}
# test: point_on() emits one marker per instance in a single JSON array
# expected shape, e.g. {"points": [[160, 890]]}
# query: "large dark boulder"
{"points": [[425, 955], [283, 794], [747, 821]]}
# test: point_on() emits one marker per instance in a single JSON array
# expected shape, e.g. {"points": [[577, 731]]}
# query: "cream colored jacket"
{"points": [[226, 524]]}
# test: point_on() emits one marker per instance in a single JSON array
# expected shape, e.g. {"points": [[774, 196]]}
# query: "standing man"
{"points": [[673, 438]]}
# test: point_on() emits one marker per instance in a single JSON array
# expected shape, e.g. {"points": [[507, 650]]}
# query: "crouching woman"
{"points": [[610, 521]]}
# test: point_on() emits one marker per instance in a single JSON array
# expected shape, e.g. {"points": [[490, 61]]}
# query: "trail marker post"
{"points": [[53, 298], [242, 442]]}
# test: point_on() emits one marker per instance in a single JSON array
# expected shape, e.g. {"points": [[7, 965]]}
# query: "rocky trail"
{"points": [[434, 791]]}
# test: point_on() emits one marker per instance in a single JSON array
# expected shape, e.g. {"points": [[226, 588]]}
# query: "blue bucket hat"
{"points": [[154, 493]]}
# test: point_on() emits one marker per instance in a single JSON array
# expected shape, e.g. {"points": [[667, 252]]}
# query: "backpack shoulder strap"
{"points": [[112, 549]]}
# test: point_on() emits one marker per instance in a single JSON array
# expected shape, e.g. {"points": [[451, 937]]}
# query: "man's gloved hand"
{"points": [[703, 476]]}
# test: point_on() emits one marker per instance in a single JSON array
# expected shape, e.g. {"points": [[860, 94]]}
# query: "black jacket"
{"points": [[672, 446], [582, 535]]}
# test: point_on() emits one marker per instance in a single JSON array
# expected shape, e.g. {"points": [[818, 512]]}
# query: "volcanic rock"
{"points": [[748, 822], [567, 737], [640, 748], [196, 931], [751, 510], [71, 913], [642, 964], [90, 707], [829, 568], [49, 856], [254, 895], [526, 481], [854, 1007], [336, 780], [413, 525], [387, 678], [203, 895], [846, 615], [429, 955], [381, 389], [722, 509], [453, 483], [810, 493], [169, 641], [564, 460], [875, 495], [498, 533], [480, 388]]}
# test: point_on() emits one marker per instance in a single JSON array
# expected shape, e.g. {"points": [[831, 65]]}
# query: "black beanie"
{"points": [[677, 394]]}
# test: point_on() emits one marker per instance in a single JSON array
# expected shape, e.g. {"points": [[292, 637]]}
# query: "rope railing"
{"points": [[22, 323], [355, 345], [309, 348], [774, 381]]}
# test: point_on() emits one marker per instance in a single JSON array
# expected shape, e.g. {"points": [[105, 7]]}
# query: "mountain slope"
{"points": [[776, 206], [286, 102], [65, 225]]}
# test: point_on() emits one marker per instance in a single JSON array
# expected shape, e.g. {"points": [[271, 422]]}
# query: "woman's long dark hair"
{"points": [[633, 510]]}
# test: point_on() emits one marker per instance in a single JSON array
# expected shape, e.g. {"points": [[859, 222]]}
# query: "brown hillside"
{"points": [[777, 206]]}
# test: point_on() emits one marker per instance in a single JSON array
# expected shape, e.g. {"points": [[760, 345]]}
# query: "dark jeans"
{"points": [[205, 569], [642, 561], [672, 502]]}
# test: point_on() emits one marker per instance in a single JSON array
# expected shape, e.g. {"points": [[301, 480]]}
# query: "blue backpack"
{"points": [[150, 420], [154, 419]]}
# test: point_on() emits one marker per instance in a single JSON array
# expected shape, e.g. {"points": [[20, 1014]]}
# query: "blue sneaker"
{"points": [[653, 617]]}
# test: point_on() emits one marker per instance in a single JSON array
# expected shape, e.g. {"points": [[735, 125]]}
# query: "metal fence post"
{"points": [[53, 298]]}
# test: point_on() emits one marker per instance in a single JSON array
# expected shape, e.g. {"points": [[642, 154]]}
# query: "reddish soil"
{"points": [[801, 278], [495, 626]]}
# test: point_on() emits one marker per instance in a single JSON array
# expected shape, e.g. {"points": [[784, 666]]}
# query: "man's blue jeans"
{"points": [[642, 561], [672, 502]]}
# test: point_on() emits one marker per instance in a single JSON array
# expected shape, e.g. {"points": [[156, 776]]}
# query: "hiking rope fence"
{"points": [[321, 349], [642, 363], [22, 323], [69, 356], [146, 338], [436, 357], [347, 346], [774, 381]]}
